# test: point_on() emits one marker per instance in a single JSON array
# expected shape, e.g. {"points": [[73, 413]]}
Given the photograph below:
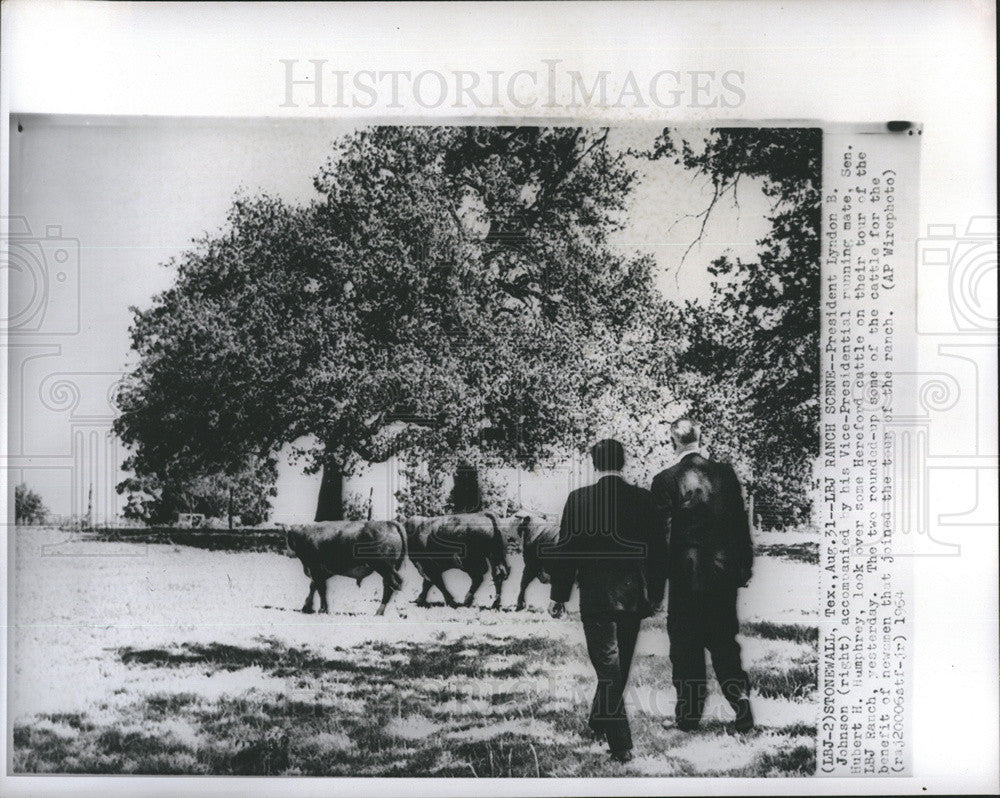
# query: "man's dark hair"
{"points": [[608, 455]]}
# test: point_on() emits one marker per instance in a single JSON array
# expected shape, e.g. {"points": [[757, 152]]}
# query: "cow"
{"points": [[471, 542], [349, 548], [536, 532]]}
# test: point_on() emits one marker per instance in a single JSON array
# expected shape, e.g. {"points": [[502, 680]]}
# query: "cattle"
{"points": [[536, 532], [349, 548], [471, 542]]}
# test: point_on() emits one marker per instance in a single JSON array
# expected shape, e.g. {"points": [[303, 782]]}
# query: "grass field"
{"points": [[157, 658]]}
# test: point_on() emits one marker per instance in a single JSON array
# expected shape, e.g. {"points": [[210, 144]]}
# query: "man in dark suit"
{"points": [[710, 556], [609, 544]]}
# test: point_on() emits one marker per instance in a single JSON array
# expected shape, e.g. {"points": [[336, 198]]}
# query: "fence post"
{"points": [[750, 512]]}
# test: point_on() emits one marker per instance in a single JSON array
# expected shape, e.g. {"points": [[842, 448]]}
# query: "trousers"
{"points": [[697, 621], [610, 645]]}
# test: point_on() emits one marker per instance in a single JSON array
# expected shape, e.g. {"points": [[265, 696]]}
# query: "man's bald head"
{"points": [[685, 432]]}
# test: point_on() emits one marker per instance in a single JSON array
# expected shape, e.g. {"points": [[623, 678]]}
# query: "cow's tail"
{"points": [[402, 536], [499, 547], [523, 530], [394, 577]]}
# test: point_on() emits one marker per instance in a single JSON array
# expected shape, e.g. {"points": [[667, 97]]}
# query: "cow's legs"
{"points": [[438, 578], [392, 581], [308, 606], [498, 580], [477, 581], [527, 577], [321, 589], [422, 598], [387, 591]]}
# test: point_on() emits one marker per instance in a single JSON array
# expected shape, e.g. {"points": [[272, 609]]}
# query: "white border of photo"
{"points": [[927, 62]]}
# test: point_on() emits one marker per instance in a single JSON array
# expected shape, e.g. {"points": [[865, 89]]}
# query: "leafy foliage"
{"points": [[481, 288], [452, 296], [427, 490], [214, 350], [452, 292], [28, 506], [750, 366], [155, 499]]}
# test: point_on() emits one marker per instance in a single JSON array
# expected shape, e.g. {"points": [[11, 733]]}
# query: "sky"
{"points": [[129, 194]]}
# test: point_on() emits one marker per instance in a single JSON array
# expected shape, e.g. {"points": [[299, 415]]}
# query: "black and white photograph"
{"points": [[418, 450], [446, 399]]}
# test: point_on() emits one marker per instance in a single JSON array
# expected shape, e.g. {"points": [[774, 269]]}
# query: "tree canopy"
{"points": [[750, 362], [452, 292], [452, 295], [160, 498], [28, 506]]}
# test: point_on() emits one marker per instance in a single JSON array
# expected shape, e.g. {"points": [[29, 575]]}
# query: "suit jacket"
{"points": [[609, 542], [701, 510]]}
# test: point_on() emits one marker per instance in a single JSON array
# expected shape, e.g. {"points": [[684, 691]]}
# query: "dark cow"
{"points": [[535, 531], [471, 542], [349, 548]]}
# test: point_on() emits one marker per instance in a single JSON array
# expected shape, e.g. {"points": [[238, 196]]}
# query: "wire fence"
{"points": [[763, 516]]}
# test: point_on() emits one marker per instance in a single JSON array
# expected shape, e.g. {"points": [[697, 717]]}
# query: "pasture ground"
{"points": [[155, 658]]}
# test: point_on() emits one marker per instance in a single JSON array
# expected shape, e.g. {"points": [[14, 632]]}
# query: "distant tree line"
{"points": [[28, 506]]}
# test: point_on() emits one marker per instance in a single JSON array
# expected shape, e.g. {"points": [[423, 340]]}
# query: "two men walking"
{"points": [[621, 544]]}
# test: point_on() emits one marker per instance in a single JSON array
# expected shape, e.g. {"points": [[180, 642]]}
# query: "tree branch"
{"points": [[717, 194]]}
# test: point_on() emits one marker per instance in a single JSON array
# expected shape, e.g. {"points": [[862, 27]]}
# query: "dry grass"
{"points": [[438, 711], [196, 663]]}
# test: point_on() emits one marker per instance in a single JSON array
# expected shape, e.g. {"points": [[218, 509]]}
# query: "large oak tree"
{"points": [[451, 292]]}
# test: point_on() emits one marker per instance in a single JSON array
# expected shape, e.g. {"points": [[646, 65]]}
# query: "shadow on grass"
{"points": [[807, 552], [270, 655], [464, 657], [50, 747], [499, 706], [793, 632], [795, 682]]}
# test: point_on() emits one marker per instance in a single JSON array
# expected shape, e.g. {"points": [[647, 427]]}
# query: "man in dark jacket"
{"points": [[609, 544], [710, 556]]}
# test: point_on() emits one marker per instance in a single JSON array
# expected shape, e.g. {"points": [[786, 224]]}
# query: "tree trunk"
{"points": [[230, 509], [466, 496], [330, 506]]}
